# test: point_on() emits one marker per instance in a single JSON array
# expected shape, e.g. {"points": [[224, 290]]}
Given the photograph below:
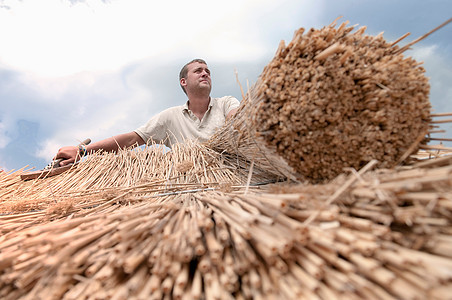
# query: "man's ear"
{"points": [[183, 82]]}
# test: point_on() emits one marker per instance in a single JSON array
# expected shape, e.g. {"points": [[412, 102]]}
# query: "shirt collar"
{"points": [[185, 106]]}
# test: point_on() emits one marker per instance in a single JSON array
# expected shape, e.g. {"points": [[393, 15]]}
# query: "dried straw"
{"points": [[187, 165], [193, 224], [387, 236]]}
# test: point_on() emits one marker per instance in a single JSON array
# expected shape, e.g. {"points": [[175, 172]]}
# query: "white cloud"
{"points": [[4, 140], [56, 38]]}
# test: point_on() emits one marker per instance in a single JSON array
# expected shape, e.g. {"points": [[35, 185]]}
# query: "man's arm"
{"points": [[70, 153], [231, 113]]}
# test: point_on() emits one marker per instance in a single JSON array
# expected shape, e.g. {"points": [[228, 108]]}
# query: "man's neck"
{"points": [[198, 105]]}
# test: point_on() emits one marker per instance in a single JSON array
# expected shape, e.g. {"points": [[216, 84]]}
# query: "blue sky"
{"points": [[76, 69]]}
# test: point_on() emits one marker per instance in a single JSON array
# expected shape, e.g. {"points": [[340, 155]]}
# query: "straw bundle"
{"points": [[330, 99], [376, 235]]}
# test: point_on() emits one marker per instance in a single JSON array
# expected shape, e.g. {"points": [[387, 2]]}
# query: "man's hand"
{"points": [[69, 155], [231, 113]]}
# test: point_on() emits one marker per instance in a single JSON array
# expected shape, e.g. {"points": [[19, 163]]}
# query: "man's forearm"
{"points": [[114, 143], [231, 113], [70, 154]]}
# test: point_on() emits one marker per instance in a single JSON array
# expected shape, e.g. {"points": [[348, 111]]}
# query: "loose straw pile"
{"points": [[330, 99], [187, 165], [384, 234]]}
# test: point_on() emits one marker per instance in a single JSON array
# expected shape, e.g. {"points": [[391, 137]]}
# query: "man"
{"points": [[197, 119]]}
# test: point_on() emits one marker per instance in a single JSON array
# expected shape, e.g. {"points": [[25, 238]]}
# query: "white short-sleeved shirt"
{"points": [[178, 123]]}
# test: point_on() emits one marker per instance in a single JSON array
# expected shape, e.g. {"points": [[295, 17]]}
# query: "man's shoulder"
{"points": [[169, 113], [226, 100]]}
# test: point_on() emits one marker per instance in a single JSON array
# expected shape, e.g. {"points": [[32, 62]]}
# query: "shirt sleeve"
{"points": [[230, 103], [155, 129]]}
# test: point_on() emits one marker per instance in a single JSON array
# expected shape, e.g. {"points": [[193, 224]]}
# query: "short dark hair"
{"points": [[183, 72]]}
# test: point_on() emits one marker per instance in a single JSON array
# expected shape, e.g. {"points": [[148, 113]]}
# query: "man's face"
{"points": [[198, 77]]}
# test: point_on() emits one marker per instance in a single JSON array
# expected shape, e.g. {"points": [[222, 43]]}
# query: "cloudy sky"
{"points": [[72, 69]]}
